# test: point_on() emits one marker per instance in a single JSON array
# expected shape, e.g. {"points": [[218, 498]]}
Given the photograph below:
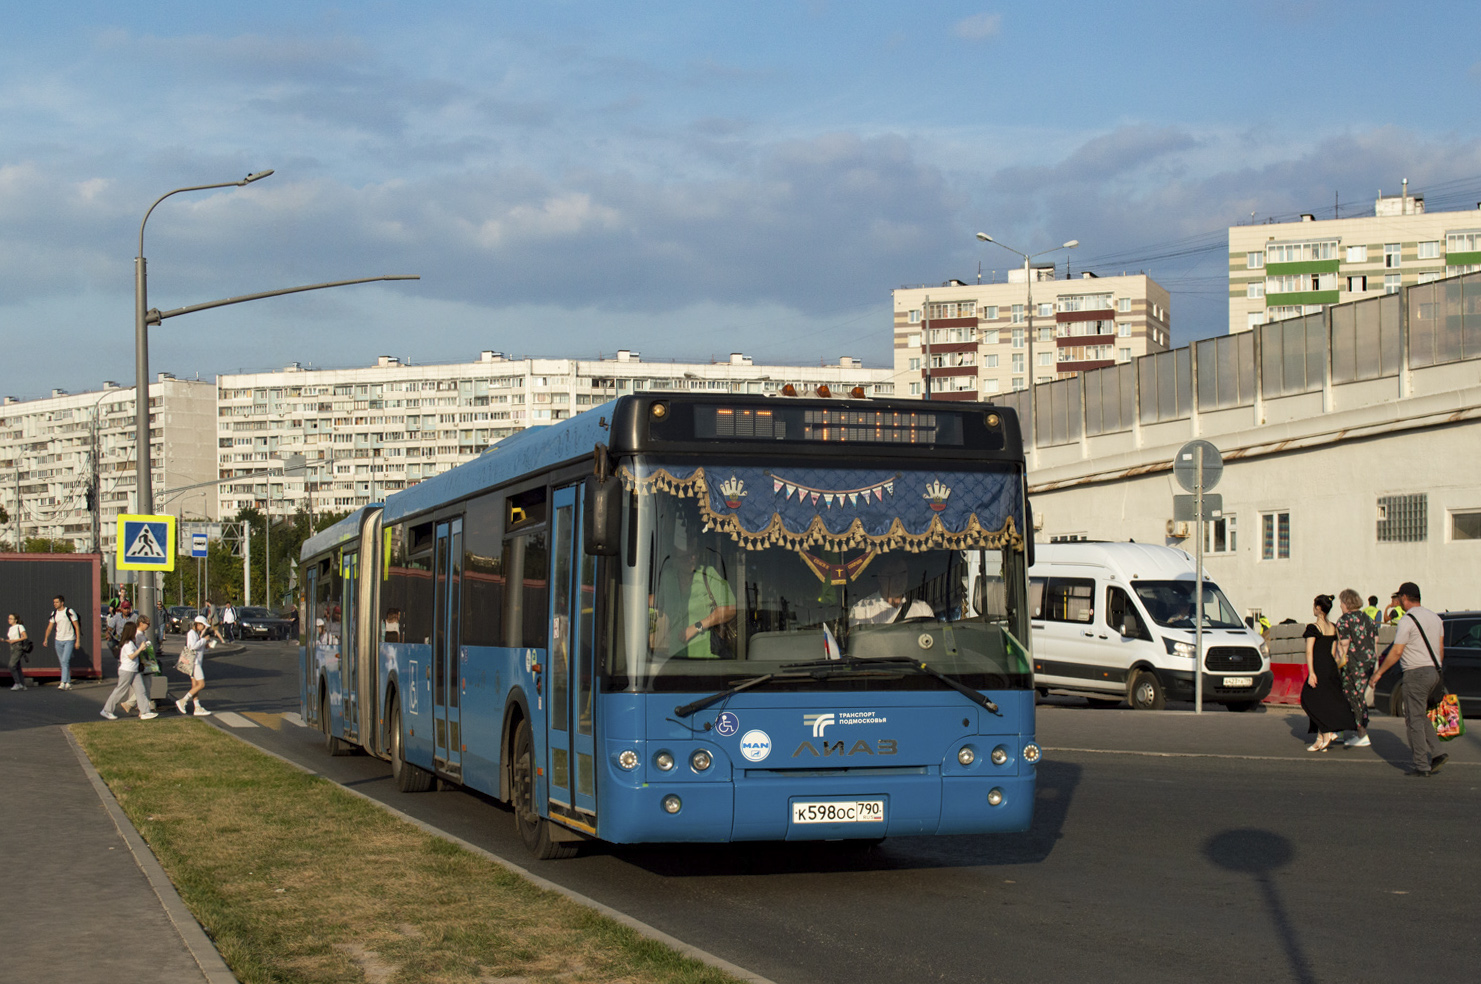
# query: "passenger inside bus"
{"points": [[888, 602]]}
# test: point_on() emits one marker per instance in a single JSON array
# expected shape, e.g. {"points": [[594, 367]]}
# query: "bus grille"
{"points": [[1232, 659]]}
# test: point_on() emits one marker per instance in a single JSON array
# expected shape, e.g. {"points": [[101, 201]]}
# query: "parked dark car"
{"points": [[178, 619], [1462, 665], [260, 623]]}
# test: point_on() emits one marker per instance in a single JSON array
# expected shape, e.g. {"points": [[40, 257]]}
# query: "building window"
{"points": [[991, 360], [1018, 314], [1018, 337], [915, 389], [1465, 525], [1275, 536], [914, 364], [914, 316], [1018, 362], [1219, 535], [1018, 382], [1357, 254], [1254, 289], [1069, 538], [1301, 252], [990, 336], [1392, 255], [990, 385], [1391, 283], [1403, 518], [990, 312], [1429, 276], [1254, 261], [1429, 250], [1124, 329], [1046, 309], [1463, 242], [1123, 355], [912, 341], [1124, 304], [1356, 285], [1046, 358]]}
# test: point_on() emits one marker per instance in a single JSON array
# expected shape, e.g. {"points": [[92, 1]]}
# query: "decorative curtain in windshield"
{"points": [[839, 509]]}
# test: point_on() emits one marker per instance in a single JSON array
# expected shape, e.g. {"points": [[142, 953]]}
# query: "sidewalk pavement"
{"points": [[84, 897]]}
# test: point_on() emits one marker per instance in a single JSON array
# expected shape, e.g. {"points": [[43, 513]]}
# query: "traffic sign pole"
{"points": [[1198, 590]]}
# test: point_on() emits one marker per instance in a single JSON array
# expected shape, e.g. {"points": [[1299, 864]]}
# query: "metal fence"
{"points": [[1110, 399], [1293, 355], [1226, 371], [1164, 386], [1366, 339], [1445, 321]]}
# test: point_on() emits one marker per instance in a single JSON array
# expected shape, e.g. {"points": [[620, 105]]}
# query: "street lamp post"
{"points": [[143, 480], [1028, 277]]}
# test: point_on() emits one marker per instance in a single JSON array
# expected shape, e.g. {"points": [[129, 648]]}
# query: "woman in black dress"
{"points": [[1326, 706]]}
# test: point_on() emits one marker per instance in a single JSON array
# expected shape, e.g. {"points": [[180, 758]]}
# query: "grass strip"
{"points": [[295, 880]]}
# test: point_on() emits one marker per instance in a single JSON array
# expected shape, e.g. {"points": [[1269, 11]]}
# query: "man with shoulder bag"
{"points": [[1419, 649]]}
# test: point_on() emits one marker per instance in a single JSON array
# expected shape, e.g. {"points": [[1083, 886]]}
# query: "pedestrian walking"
{"points": [[16, 636], [1322, 699], [135, 648], [229, 621], [64, 621], [195, 648], [1357, 654], [1419, 649]]}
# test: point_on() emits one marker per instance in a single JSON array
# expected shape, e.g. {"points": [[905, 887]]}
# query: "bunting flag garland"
{"points": [[846, 508]]}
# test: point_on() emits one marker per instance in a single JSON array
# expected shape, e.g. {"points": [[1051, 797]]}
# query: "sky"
{"points": [[677, 178]]}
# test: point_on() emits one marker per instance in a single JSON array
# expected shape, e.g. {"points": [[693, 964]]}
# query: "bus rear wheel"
{"points": [[533, 829], [409, 778], [333, 745]]}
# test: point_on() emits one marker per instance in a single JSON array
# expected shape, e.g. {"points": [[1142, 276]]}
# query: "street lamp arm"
{"points": [[154, 315], [256, 176]]}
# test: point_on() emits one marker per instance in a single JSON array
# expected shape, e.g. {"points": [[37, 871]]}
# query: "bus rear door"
{"points": [[570, 733], [447, 569]]}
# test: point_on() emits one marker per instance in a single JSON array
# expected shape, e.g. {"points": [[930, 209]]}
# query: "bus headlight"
{"points": [[628, 759], [664, 761], [700, 760], [994, 797], [966, 756], [672, 804], [1032, 753], [999, 755]]}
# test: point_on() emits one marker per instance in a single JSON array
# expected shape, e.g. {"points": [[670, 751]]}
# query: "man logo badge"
{"points": [[755, 745], [818, 723]]}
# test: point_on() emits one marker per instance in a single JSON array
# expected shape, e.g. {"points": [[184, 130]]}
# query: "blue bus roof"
{"points": [[528, 451], [327, 539]]}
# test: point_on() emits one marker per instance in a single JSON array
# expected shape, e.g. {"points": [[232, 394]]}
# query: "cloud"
{"points": [[978, 27]]}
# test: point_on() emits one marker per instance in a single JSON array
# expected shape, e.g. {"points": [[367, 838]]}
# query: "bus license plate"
{"points": [[1239, 681], [836, 811]]}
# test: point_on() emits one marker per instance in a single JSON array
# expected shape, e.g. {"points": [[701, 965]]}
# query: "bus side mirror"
{"points": [[602, 528], [1028, 534]]}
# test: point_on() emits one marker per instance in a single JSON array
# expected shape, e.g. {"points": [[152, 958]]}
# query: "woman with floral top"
{"points": [[1357, 653]]}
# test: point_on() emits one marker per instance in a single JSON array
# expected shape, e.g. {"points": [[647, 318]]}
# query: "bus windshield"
{"points": [[717, 587], [1172, 605]]}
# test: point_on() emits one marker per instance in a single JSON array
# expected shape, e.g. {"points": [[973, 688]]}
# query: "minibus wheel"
{"points": [[533, 829], [1145, 692]]}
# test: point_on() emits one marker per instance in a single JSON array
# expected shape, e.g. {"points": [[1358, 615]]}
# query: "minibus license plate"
{"points": [[1239, 681], [839, 811]]}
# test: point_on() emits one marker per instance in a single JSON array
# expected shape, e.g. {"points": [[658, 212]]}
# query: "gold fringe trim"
{"points": [[817, 534]]}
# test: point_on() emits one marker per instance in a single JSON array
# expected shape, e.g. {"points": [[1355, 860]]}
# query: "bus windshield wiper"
{"points": [[684, 710], [904, 662], [798, 671]]}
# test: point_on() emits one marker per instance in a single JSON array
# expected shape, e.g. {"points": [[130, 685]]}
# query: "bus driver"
{"points": [[695, 605], [888, 602]]}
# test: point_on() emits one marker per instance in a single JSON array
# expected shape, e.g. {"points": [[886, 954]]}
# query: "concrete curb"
{"points": [[197, 943], [637, 925]]}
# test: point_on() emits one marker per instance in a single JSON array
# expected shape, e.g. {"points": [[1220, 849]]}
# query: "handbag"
{"points": [[723, 635], [186, 663], [148, 662], [1447, 719]]}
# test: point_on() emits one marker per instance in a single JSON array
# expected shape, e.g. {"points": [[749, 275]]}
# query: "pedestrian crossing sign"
{"points": [[146, 543]]}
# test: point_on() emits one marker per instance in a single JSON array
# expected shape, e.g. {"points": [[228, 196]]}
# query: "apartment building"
{"points": [[961, 341], [55, 450], [369, 431], [1286, 269]]}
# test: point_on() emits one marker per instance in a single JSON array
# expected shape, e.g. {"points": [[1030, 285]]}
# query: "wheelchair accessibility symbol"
{"points": [[727, 724]]}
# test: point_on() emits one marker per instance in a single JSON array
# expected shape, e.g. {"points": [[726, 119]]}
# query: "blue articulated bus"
{"points": [[681, 618]]}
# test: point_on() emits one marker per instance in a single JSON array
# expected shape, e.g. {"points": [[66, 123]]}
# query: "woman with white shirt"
{"points": [[195, 648], [135, 638], [15, 637]]}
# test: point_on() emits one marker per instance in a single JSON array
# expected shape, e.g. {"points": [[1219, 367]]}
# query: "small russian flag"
{"points": [[830, 644]]}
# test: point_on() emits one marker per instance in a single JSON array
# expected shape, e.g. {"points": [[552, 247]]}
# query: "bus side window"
{"points": [[527, 591], [1121, 615]]}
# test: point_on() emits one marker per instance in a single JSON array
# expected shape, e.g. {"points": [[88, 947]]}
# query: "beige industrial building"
{"points": [[1348, 440], [54, 449], [1283, 270], [961, 341], [369, 431]]}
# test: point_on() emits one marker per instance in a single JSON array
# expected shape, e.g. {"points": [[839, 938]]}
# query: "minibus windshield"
{"points": [[1172, 605]]}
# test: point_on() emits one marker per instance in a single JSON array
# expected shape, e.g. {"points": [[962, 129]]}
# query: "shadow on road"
{"points": [[1057, 782], [1258, 853]]}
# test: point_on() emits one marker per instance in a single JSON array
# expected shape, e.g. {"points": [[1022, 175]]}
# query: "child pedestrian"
{"points": [[195, 648]]}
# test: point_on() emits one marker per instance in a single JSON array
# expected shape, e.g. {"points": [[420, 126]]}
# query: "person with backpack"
{"points": [[64, 621], [20, 647]]}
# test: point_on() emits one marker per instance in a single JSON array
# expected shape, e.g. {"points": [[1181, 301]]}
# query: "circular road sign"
{"points": [[1185, 465]]}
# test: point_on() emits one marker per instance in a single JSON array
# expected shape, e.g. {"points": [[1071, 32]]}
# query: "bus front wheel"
{"points": [[533, 829], [409, 778]]}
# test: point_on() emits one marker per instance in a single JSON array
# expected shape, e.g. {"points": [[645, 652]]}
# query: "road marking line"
{"points": [[273, 721], [292, 717], [1246, 758], [234, 720]]}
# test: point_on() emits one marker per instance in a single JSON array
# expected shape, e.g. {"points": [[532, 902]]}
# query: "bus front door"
{"points": [[446, 646], [349, 665], [570, 736]]}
